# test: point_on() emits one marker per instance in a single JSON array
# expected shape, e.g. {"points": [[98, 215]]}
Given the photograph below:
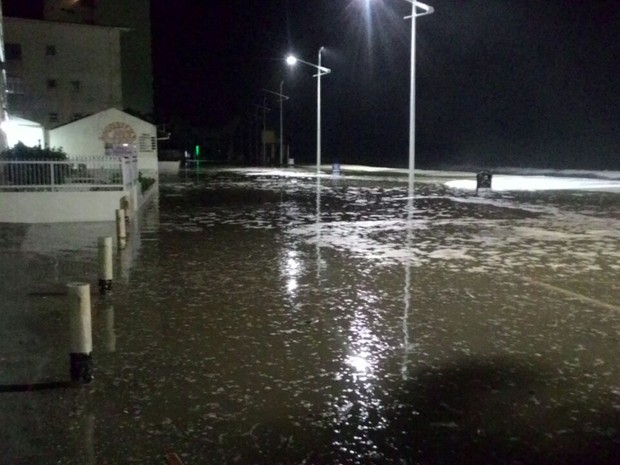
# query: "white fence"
{"points": [[75, 174]]}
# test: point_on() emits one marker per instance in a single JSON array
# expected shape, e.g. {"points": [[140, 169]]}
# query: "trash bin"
{"points": [[483, 180], [336, 169]]}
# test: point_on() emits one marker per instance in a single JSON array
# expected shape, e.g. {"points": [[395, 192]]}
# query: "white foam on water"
{"points": [[503, 183]]}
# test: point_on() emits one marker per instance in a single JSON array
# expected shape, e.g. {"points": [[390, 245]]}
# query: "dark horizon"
{"points": [[499, 84]]}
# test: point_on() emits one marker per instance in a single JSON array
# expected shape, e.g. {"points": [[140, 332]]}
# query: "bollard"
{"points": [[104, 247], [336, 169], [121, 229], [81, 333]]}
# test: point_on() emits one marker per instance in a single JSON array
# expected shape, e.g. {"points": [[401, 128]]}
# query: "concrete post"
{"points": [[81, 333], [121, 229], [104, 247]]}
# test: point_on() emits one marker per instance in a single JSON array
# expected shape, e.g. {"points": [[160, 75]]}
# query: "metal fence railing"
{"points": [[75, 174]]}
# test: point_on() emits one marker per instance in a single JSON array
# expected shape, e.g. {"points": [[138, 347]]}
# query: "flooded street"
{"points": [[261, 318]]}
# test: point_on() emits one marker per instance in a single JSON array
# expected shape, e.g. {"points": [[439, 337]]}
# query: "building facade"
{"points": [[59, 72], [136, 52], [109, 133]]}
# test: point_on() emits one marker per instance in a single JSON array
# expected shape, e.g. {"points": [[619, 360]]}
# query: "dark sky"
{"points": [[499, 82]]}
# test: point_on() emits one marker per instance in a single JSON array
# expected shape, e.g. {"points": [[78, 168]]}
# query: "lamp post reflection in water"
{"points": [[318, 229], [407, 289]]}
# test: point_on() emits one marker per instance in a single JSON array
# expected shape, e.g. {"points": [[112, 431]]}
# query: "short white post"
{"points": [[121, 229], [81, 333], [106, 274]]}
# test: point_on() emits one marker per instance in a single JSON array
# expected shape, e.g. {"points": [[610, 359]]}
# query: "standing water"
{"points": [[262, 318]]}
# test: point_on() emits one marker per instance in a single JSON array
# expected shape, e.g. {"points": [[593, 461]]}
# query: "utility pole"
{"points": [[264, 109], [282, 98]]}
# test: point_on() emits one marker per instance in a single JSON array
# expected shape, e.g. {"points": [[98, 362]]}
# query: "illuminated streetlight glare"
{"points": [[321, 71], [417, 9]]}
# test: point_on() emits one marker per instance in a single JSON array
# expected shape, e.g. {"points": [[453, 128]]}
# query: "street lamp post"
{"points": [[281, 123], [282, 98], [425, 10], [322, 70]]}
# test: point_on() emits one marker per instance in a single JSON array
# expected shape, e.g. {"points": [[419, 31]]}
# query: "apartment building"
{"points": [[58, 72], [136, 52]]}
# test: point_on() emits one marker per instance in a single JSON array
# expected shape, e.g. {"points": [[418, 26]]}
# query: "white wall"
{"points": [[85, 137], [69, 207], [59, 207]]}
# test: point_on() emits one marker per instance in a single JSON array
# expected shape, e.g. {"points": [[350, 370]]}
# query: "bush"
{"points": [[22, 152], [35, 173], [145, 182]]}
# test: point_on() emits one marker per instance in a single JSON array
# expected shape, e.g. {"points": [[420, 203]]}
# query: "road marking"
{"points": [[575, 295]]}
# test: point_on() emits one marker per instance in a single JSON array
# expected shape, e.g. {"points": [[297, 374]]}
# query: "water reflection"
{"points": [[109, 333], [128, 256], [88, 438], [404, 370], [318, 230], [291, 270]]}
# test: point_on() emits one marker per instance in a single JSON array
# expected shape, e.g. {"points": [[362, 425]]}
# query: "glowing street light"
{"points": [[415, 13], [292, 60], [417, 9]]}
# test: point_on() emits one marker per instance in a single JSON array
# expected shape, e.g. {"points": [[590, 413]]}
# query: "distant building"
{"points": [[60, 72], [136, 60]]}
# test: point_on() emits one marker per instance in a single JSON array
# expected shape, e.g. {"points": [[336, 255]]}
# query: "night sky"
{"points": [[499, 82]]}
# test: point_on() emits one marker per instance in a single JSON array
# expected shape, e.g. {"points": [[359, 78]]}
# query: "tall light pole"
{"points": [[322, 70], [425, 10], [417, 9], [282, 98]]}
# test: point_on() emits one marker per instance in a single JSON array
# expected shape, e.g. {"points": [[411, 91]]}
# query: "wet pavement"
{"points": [[265, 319]]}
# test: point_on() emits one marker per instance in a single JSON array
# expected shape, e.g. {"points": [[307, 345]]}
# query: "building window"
{"points": [[76, 85], [146, 143], [53, 118], [52, 83], [16, 103], [12, 51], [15, 85], [50, 50]]}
